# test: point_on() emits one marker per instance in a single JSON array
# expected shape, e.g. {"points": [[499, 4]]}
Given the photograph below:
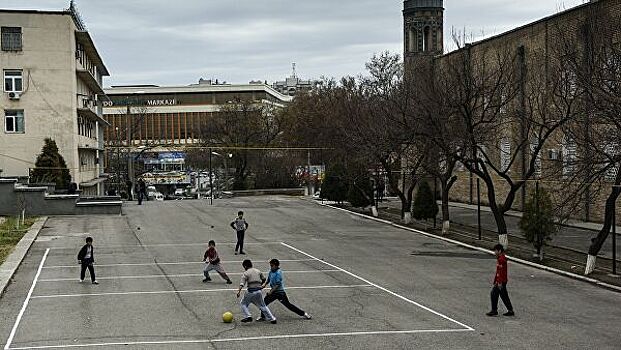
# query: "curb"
{"points": [[469, 246], [10, 266]]}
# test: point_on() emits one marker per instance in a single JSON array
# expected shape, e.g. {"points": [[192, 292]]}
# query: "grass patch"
{"points": [[11, 233]]}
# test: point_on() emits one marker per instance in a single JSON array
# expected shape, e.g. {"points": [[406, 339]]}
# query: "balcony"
{"points": [[87, 108]]}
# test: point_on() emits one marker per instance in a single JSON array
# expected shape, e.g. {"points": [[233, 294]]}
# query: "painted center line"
{"points": [[175, 276], [77, 266], [466, 327], [183, 291], [243, 339]]}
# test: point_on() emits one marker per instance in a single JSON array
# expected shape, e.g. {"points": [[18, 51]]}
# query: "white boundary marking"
{"points": [[165, 263], [200, 245], [25, 305], [174, 276], [380, 287], [225, 340], [184, 291]]}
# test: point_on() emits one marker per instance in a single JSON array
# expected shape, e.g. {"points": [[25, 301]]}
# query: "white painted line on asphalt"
{"points": [[183, 291], [381, 288], [199, 244], [164, 263], [242, 339], [25, 305], [174, 276]]}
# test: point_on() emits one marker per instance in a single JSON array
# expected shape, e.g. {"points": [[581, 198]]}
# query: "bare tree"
{"points": [[593, 53]]}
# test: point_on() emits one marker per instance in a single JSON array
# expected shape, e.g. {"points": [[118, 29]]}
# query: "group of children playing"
{"points": [[254, 280]]}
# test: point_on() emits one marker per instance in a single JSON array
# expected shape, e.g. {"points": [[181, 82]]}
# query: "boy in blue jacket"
{"points": [[277, 291]]}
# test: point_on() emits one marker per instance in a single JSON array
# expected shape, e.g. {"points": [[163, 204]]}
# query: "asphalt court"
{"points": [[368, 286], [165, 294]]}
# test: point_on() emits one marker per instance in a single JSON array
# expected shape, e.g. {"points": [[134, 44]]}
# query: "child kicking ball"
{"points": [[212, 261]]}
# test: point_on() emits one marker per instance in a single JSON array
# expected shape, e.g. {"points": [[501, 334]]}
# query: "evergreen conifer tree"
{"points": [[424, 205], [51, 167]]}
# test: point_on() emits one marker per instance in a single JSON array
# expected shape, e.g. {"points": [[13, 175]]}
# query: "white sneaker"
{"points": [[307, 316], [81, 281]]}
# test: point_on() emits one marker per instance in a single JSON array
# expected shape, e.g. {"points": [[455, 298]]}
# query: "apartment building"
{"points": [[52, 88]]}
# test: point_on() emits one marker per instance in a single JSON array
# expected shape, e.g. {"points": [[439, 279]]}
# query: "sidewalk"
{"points": [[575, 235]]}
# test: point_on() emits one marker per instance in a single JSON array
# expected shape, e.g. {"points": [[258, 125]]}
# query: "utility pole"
{"points": [[130, 159], [310, 185], [479, 206], [210, 180]]}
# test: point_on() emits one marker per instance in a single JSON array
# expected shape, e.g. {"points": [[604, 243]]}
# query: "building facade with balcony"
{"points": [[52, 88]]}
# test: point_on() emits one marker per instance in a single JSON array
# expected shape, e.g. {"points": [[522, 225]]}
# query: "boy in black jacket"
{"points": [[86, 257]]}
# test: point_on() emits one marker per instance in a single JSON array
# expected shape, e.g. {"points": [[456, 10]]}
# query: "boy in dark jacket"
{"points": [[212, 261], [86, 257], [500, 283]]}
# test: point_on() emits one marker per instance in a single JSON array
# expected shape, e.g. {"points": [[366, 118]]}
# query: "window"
{"points": [[611, 150], [534, 144], [569, 156], [14, 122], [505, 154], [13, 81], [11, 38]]}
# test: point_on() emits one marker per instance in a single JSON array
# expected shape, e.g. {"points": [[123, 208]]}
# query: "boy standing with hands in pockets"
{"points": [[240, 225]]}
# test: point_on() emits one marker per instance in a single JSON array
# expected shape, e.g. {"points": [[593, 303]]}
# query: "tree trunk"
{"points": [[598, 241], [446, 186], [499, 215]]}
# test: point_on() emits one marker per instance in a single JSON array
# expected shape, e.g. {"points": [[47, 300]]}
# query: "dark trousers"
{"points": [[240, 241], [87, 264], [139, 198], [501, 290], [282, 297]]}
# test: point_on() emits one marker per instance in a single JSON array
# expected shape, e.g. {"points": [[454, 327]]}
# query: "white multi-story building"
{"points": [[52, 88]]}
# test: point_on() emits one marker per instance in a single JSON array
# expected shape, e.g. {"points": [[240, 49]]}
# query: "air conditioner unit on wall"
{"points": [[14, 95]]}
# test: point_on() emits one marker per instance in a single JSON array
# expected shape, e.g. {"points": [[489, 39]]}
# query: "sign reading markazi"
{"points": [[155, 103], [150, 103]]}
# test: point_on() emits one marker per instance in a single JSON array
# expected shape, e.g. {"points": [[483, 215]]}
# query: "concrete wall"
{"points": [[36, 201]]}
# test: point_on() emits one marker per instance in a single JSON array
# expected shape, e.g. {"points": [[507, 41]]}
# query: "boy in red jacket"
{"points": [[500, 283], [212, 261]]}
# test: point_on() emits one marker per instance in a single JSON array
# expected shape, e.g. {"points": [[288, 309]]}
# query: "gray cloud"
{"points": [[176, 42]]}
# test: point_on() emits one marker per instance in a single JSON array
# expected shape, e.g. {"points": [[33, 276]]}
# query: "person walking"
{"points": [[86, 258], [240, 226], [500, 283], [277, 291], [141, 190], [212, 261], [253, 279]]}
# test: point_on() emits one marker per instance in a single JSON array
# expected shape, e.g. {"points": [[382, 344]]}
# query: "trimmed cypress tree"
{"points": [[360, 193], [334, 187], [537, 222], [51, 167], [424, 205]]}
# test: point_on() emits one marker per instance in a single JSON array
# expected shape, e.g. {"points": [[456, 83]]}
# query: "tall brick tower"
{"points": [[423, 25]]}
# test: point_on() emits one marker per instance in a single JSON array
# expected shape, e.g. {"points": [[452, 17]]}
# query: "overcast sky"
{"points": [[175, 42]]}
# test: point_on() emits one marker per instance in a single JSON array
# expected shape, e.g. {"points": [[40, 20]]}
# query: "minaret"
{"points": [[423, 25]]}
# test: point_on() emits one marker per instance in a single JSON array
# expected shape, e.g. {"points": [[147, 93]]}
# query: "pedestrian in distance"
{"points": [[86, 258], [253, 279], [500, 283], [212, 262], [141, 190], [277, 291], [240, 226]]}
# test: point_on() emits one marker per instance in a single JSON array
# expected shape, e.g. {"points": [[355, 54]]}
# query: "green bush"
{"points": [[537, 222], [334, 187], [360, 193], [424, 205]]}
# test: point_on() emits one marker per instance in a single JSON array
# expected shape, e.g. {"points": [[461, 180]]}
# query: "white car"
{"points": [[158, 196]]}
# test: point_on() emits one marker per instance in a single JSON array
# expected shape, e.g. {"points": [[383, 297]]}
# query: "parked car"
{"points": [[158, 196]]}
